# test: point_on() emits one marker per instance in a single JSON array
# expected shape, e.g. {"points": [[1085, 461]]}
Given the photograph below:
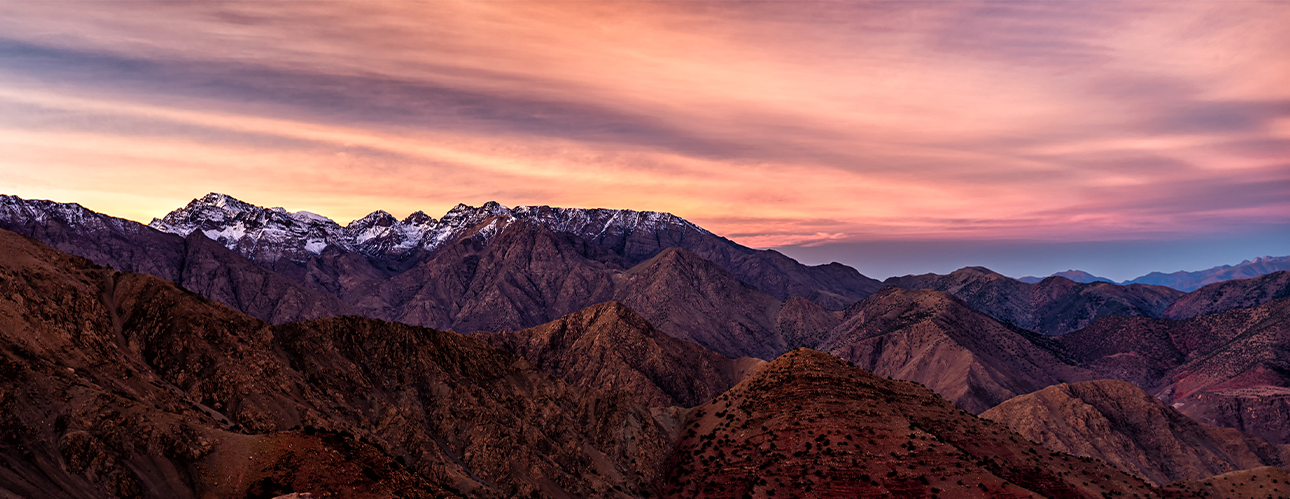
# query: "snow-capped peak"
{"points": [[379, 218], [227, 203], [419, 218], [258, 233]]}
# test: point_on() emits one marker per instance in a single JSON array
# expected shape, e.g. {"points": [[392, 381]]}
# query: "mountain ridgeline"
{"points": [[488, 268], [1188, 281]]}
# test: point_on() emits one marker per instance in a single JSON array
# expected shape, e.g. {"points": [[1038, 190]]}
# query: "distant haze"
{"points": [[1118, 260]]}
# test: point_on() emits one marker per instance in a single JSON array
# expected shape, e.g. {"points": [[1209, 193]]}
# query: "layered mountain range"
{"points": [[1053, 306], [1230, 368], [1188, 281], [600, 346]]}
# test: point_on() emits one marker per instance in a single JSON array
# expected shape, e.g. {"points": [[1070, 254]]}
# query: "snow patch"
{"points": [[315, 246]]}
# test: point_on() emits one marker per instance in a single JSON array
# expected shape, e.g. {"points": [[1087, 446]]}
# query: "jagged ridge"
{"points": [[266, 234]]}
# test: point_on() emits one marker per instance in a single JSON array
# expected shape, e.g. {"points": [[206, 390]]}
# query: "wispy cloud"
{"points": [[890, 120]]}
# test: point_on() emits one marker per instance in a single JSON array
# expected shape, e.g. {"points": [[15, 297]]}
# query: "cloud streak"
{"points": [[792, 123]]}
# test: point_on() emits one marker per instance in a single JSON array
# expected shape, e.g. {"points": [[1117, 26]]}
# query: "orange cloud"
{"points": [[894, 121]]}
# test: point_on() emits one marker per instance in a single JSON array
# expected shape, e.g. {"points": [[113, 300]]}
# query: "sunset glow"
{"points": [[773, 123]]}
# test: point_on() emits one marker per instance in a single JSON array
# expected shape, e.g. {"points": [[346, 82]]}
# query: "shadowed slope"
{"points": [[809, 425], [802, 323], [502, 277], [934, 338], [692, 299], [1119, 423], [610, 347], [527, 275]]}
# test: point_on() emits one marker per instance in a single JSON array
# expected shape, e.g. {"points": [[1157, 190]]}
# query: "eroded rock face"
{"points": [[123, 384], [1053, 306], [933, 338], [808, 423], [1125, 426], [612, 348]]}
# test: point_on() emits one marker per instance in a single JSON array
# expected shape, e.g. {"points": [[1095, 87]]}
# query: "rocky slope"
{"points": [[1227, 369], [610, 347], [809, 425], [693, 299], [1053, 306], [1119, 423], [933, 338], [802, 323], [118, 384], [1259, 483], [1240, 293]]}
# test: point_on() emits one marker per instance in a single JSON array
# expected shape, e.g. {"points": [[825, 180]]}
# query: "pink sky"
{"points": [[775, 124]]}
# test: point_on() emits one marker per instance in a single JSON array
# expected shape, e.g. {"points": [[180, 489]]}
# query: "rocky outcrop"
{"points": [[1119, 423]]}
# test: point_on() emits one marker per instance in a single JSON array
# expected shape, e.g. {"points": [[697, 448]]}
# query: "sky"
{"points": [[1117, 137]]}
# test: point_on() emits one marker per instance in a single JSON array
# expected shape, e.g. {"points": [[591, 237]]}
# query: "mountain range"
{"points": [[125, 385], [1187, 281], [607, 353]]}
